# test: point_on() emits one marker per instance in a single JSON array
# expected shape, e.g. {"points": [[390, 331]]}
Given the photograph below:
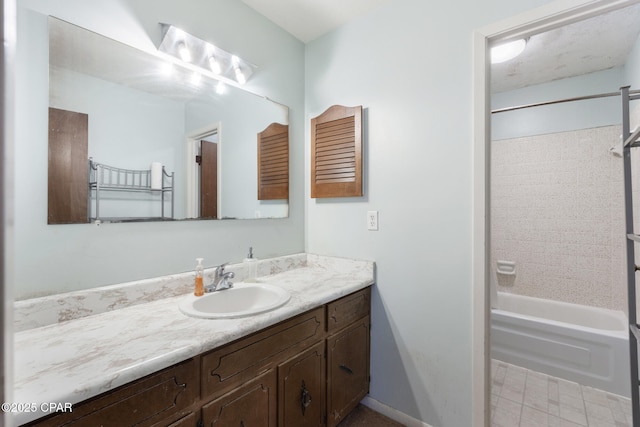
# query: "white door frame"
{"points": [[192, 178], [545, 18]]}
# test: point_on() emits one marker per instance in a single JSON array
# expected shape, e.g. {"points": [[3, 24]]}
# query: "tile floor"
{"points": [[524, 398]]}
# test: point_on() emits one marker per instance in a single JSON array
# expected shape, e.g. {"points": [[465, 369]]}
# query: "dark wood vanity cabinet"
{"points": [[307, 371]]}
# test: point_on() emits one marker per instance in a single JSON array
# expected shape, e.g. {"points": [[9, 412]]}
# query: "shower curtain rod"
{"points": [[559, 101]]}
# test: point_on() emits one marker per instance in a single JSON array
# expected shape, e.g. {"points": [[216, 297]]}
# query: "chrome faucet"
{"points": [[220, 279]]}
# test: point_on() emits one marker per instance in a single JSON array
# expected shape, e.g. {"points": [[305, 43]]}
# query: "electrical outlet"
{"points": [[372, 220]]}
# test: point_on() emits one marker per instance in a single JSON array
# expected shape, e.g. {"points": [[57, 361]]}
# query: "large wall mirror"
{"points": [[130, 110]]}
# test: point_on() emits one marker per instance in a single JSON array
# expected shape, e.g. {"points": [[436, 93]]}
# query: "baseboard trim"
{"points": [[392, 413]]}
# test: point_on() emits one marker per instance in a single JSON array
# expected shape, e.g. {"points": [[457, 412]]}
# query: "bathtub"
{"points": [[584, 344]]}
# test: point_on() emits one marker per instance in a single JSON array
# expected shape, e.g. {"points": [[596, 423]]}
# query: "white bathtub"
{"points": [[584, 344]]}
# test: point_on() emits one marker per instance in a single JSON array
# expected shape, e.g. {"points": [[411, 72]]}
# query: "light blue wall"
{"points": [[53, 259], [559, 117], [632, 67], [409, 64]]}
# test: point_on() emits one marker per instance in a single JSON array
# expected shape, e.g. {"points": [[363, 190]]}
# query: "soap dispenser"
{"points": [[251, 264], [199, 285]]}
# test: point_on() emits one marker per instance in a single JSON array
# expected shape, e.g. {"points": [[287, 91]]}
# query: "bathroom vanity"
{"points": [[305, 363]]}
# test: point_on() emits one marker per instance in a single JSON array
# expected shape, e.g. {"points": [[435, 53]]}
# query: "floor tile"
{"points": [[533, 418], [525, 398], [507, 413]]}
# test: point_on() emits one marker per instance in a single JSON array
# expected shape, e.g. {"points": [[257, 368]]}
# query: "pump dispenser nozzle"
{"points": [[252, 266]]}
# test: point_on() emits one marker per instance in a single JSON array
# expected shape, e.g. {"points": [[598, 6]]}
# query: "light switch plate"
{"points": [[372, 220]]}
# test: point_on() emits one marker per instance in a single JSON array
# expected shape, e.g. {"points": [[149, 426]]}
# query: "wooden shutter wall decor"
{"points": [[336, 153], [273, 162]]}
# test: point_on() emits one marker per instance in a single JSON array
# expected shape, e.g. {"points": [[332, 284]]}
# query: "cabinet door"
{"points": [[347, 370], [251, 405], [301, 391]]}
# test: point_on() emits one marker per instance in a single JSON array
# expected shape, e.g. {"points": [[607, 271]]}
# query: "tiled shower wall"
{"points": [[557, 211]]}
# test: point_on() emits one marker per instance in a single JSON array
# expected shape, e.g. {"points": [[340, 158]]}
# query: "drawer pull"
{"points": [[305, 398], [346, 369]]}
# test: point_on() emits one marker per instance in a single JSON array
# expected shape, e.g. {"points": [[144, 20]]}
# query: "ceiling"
{"points": [[596, 44], [309, 19]]}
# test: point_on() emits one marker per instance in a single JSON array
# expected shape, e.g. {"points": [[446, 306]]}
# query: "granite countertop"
{"points": [[73, 360]]}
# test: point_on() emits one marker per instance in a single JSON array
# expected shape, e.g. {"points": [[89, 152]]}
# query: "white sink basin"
{"points": [[243, 299]]}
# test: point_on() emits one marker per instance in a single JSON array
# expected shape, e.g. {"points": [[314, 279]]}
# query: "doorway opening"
{"points": [[556, 16], [203, 173]]}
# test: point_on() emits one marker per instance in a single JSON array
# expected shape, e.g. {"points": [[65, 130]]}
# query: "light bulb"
{"points": [[215, 65], [184, 52], [195, 78], [240, 75], [220, 88], [507, 51]]}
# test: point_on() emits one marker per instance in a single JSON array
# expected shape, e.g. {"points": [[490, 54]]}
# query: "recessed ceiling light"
{"points": [[506, 51]]}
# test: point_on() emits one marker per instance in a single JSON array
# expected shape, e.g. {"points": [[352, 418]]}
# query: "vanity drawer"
{"points": [[348, 309], [232, 365], [144, 402]]}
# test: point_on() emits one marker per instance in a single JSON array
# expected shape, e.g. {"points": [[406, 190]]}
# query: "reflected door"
{"points": [[208, 179], [68, 167]]}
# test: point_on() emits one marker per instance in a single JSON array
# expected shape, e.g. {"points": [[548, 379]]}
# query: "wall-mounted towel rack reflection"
{"points": [[108, 178]]}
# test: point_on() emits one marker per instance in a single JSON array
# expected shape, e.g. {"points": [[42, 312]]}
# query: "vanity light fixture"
{"points": [[506, 51], [209, 59]]}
